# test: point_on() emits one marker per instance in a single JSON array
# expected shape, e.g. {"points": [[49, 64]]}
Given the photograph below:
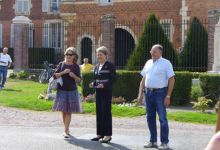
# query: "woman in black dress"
{"points": [[105, 75]]}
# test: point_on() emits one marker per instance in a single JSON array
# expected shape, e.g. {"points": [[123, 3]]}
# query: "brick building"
{"points": [[62, 23]]}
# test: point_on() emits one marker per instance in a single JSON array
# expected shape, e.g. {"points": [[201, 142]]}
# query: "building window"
{"points": [[105, 2], [30, 36], [50, 5], [12, 36], [55, 5], [1, 35], [45, 5], [52, 35], [167, 25], [22, 6]]}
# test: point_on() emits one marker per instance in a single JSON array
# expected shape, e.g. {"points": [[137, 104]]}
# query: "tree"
{"points": [[194, 56], [152, 34]]}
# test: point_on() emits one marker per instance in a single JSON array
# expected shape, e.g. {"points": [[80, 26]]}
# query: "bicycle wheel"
{"points": [[43, 77]]}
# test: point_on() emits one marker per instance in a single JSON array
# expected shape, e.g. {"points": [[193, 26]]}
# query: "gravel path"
{"points": [[128, 133]]}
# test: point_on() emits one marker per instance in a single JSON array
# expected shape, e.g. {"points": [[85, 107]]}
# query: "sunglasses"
{"points": [[68, 54]]}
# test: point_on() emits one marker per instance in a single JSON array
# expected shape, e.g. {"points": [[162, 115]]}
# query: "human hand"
{"points": [[91, 85], [100, 86], [71, 74], [167, 101], [66, 71]]}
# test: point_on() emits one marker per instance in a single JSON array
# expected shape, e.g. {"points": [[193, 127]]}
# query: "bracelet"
{"points": [[167, 96]]}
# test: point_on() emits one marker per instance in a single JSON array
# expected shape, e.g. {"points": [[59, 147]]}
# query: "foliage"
{"points": [[152, 34], [202, 104], [194, 56]]}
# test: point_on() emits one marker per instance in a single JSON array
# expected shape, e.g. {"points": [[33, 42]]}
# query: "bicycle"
{"points": [[47, 73]]}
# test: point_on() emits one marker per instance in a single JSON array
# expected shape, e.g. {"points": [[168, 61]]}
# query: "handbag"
{"points": [[55, 82]]}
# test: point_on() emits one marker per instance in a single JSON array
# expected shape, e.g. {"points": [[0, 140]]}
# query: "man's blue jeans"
{"points": [[3, 75], [155, 103]]}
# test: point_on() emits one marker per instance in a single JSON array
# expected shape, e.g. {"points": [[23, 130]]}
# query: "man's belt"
{"points": [[155, 89]]}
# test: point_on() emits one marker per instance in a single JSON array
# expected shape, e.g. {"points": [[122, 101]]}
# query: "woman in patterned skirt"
{"points": [[68, 100]]}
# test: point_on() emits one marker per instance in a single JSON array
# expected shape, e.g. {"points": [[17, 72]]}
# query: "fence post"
{"points": [[21, 42], [108, 35]]}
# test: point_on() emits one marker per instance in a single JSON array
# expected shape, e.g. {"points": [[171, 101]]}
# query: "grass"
{"points": [[23, 94]]}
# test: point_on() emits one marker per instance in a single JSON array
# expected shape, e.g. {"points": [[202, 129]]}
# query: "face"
{"points": [[5, 50], [155, 53], [101, 57], [69, 56], [85, 60]]}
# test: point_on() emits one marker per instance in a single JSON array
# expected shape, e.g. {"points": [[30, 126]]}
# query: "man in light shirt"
{"points": [[157, 84], [86, 66], [5, 63]]}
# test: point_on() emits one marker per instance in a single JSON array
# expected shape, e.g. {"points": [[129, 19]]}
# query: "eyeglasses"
{"points": [[67, 54]]}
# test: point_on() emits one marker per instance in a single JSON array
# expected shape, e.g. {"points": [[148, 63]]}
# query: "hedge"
{"points": [[210, 85], [127, 85], [182, 88]]}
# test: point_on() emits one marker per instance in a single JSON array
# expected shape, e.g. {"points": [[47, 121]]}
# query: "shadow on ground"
{"points": [[12, 90], [87, 144]]}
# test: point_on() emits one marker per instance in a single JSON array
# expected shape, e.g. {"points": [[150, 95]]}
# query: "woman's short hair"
{"points": [[103, 50], [73, 51]]}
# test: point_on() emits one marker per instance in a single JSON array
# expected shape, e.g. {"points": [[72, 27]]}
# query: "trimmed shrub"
{"points": [[210, 84], [38, 55], [127, 86], [182, 88], [194, 56], [152, 34], [87, 78]]}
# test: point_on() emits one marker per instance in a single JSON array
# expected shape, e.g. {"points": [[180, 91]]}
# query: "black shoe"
{"points": [[105, 141], [97, 138]]}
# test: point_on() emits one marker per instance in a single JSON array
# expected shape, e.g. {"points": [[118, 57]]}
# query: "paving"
{"points": [[30, 130]]}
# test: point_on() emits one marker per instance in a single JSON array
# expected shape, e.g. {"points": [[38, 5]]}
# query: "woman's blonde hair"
{"points": [[73, 51]]}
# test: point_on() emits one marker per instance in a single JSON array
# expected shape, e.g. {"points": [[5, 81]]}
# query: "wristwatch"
{"points": [[167, 96]]}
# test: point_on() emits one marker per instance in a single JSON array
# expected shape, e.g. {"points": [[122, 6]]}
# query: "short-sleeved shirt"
{"points": [[86, 67], [69, 83], [157, 73], [5, 59]]}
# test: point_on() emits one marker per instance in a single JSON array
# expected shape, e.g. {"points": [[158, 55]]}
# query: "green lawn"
{"points": [[23, 94]]}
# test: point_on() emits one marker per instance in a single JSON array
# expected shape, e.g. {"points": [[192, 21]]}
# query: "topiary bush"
{"points": [[194, 56], [152, 34]]}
